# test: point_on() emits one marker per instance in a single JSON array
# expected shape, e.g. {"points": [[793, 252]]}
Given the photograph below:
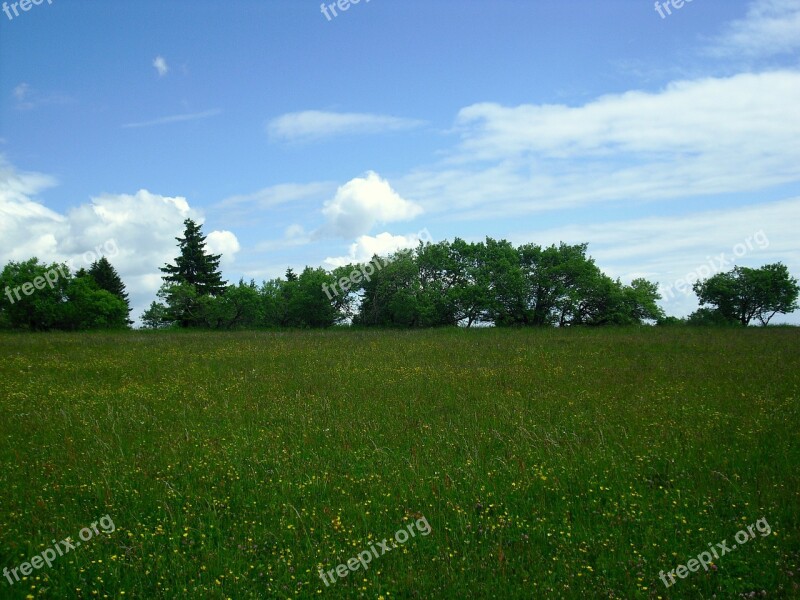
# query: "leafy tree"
{"points": [[308, 305], [194, 266], [468, 293], [107, 279], [27, 298], [300, 300], [156, 317], [185, 306], [89, 307], [710, 317], [744, 294], [41, 297], [438, 279], [392, 296], [274, 305], [510, 293], [239, 307]]}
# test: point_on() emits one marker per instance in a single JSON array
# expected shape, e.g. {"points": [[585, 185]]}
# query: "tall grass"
{"points": [[549, 464]]}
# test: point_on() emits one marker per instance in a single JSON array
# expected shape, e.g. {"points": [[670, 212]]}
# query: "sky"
{"points": [[665, 135]]}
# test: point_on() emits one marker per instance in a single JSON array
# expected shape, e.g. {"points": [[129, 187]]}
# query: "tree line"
{"points": [[458, 283]]}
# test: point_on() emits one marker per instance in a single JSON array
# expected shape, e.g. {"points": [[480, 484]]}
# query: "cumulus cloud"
{"points": [[224, 243], [383, 244], [315, 124], [160, 64], [771, 27], [136, 231], [364, 202]]}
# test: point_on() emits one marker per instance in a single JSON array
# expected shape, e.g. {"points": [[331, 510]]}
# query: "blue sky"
{"points": [[299, 140]]}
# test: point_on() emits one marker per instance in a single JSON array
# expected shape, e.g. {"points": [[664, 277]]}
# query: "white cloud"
{"points": [[175, 119], [686, 117], [364, 202], [700, 137], [224, 243], [160, 64], [136, 231], [771, 27], [315, 124], [383, 244]]}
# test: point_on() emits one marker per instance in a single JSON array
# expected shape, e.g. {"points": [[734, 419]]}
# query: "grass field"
{"points": [[548, 464]]}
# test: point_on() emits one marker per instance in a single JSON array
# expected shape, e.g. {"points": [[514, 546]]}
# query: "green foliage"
{"points": [[194, 266], [744, 294], [458, 283], [706, 317], [38, 310], [107, 278], [240, 307], [56, 299], [302, 301], [89, 307], [156, 317]]}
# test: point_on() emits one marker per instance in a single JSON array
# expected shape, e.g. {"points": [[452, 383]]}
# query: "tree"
{"points": [[240, 307], [107, 279], [191, 284], [510, 297], [710, 317], [26, 305], [744, 294], [468, 293], [89, 307], [392, 296], [194, 266], [156, 317], [42, 297]]}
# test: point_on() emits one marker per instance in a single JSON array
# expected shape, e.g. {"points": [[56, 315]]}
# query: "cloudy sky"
{"points": [[669, 140]]}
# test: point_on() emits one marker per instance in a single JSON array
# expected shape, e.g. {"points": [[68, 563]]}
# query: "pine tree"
{"points": [[107, 278], [194, 266]]}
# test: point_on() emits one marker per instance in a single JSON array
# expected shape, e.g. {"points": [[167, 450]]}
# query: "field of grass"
{"points": [[549, 464]]}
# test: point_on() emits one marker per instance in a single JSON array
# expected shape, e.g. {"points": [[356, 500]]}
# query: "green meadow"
{"points": [[575, 463]]}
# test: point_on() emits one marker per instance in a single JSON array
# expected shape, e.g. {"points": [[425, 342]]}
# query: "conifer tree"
{"points": [[194, 266], [107, 278]]}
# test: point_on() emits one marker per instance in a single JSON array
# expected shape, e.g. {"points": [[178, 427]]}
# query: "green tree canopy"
{"points": [[744, 294], [42, 297]]}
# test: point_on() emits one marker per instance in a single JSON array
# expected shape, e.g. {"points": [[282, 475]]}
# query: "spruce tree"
{"points": [[194, 266], [107, 278]]}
